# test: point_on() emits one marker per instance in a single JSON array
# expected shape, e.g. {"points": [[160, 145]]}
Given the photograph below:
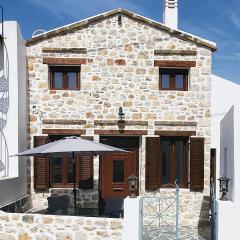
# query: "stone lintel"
{"points": [[175, 123], [64, 50], [66, 61], [64, 121], [175, 133], [176, 52], [116, 122], [121, 132], [64, 131], [169, 63]]}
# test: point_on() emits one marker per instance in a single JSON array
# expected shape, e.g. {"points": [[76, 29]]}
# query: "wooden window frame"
{"points": [[173, 162], [64, 183], [64, 70], [173, 73]]}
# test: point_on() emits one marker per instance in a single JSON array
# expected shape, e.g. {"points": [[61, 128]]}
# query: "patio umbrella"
{"points": [[71, 146]]}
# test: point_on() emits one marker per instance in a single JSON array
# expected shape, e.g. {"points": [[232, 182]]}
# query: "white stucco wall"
{"points": [[227, 148], [228, 212], [14, 185], [224, 95], [226, 135]]}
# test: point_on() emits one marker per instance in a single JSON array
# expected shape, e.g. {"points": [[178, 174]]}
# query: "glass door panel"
{"points": [[165, 162], [118, 171], [179, 161], [70, 170], [57, 169]]}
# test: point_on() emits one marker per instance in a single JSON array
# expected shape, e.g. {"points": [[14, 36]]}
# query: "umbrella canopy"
{"points": [[72, 146], [69, 145]]}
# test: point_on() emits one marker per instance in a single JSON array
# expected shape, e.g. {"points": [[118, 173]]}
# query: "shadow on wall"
{"points": [[4, 106], [4, 156], [204, 229]]}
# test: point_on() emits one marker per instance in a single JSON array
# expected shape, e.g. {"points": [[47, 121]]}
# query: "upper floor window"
{"points": [[173, 79], [65, 78]]}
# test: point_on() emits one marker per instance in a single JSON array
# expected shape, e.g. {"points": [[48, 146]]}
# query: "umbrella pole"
{"points": [[74, 184]]}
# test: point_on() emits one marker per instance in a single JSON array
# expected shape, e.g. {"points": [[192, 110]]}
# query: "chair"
{"points": [[113, 207], [56, 203]]}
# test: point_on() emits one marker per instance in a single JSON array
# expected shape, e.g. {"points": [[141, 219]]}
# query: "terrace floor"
{"points": [[185, 233], [84, 212]]}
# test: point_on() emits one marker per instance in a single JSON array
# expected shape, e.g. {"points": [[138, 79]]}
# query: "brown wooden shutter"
{"points": [[41, 167], [153, 163], [197, 164], [86, 169]]}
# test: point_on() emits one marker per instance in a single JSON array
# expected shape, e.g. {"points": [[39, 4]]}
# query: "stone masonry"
{"points": [[20, 206], [37, 226], [119, 71], [49, 227]]}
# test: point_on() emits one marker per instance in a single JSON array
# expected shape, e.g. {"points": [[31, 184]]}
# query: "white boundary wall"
{"points": [[228, 212], [226, 139], [224, 95], [14, 186]]}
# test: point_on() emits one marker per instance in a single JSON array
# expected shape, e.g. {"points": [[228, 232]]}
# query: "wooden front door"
{"points": [[115, 170]]}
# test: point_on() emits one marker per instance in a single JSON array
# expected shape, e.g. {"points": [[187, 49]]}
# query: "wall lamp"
{"points": [[223, 183], [121, 114], [132, 182]]}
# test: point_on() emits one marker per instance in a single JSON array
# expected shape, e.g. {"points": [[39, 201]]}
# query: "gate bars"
{"points": [[160, 216], [213, 211]]}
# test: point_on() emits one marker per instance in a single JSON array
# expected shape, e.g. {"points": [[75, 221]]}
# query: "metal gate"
{"points": [[213, 211], [159, 216]]}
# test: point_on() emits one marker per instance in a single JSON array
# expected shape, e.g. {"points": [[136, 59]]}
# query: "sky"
{"points": [[215, 20]]}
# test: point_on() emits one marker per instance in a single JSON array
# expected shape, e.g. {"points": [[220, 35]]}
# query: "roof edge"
{"points": [[85, 22]]}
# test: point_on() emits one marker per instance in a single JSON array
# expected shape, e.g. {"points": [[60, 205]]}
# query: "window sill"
{"points": [[60, 188], [75, 89], [174, 90], [171, 185]]}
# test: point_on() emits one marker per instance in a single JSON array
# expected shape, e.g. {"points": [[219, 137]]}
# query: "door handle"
{"points": [[117, 189]]}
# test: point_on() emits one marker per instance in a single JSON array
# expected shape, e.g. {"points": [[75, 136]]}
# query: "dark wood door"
{"points": [[114, 172]]}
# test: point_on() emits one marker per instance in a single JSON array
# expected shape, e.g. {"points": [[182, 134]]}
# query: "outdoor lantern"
{"points": [[223, 183], [132, 182], [121, 114]]}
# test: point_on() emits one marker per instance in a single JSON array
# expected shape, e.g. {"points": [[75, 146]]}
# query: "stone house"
{"points": [[82, 74]]}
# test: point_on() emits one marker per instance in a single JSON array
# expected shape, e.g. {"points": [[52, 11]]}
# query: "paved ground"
{"points": [[185, 233]]}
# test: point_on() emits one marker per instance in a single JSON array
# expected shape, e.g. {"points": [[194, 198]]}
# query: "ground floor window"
{"points": [[61, 169], [174, 157], [62, 172], [174, 152]]}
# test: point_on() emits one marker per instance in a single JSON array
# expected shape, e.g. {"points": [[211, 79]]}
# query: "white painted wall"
{"points": [[227, 147], [224, 95], [170, 13], [228, 212], [132, 218], [14, 185], [226, 135]]}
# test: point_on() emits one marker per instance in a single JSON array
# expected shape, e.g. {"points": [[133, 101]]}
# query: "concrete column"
{"points": [[132, 224]]}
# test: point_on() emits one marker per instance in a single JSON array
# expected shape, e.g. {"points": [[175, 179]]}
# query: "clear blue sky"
{"points": [[215, 20]]}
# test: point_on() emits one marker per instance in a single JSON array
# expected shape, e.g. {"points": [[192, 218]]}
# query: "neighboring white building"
{"points": [[226, 140], [13, 118]]}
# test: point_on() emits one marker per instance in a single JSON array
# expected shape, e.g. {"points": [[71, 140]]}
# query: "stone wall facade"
{"points": [[48, 227], [20, 206], [119, 71]]}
